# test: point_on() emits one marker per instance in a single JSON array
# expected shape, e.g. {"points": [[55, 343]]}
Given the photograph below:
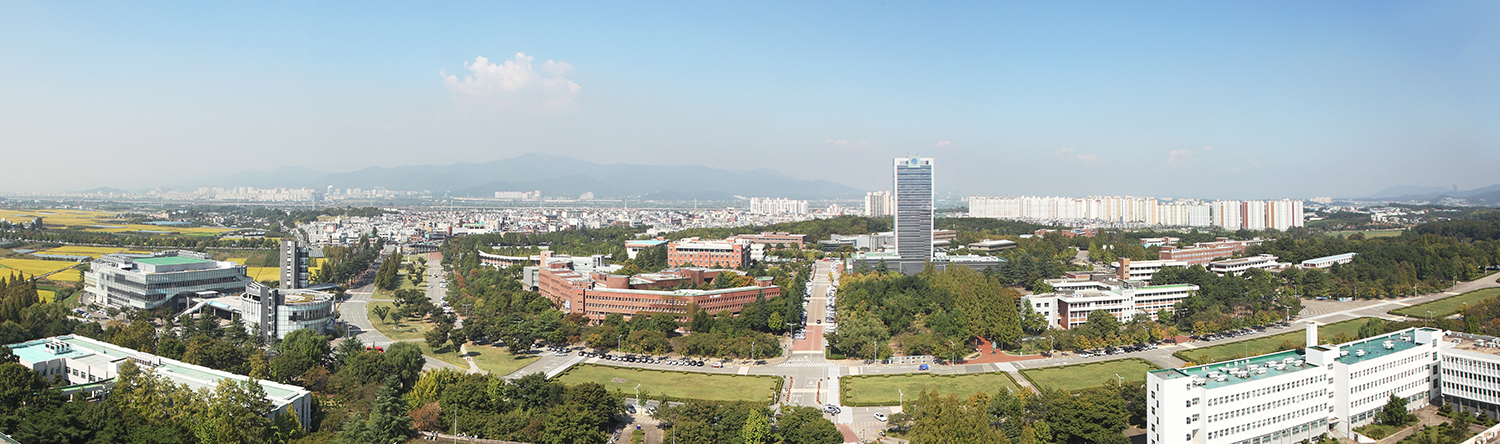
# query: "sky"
{"points": [[1234, 100]]}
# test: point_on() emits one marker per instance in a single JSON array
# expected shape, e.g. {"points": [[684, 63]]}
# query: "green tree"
{"points": [[387, 422], [1394, 413], [757, 429], [234, 412], [806, 425], [381, 311]]}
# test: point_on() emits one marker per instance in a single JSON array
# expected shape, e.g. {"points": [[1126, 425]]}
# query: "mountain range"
{"points": [[1486, 196], [555, 176]]}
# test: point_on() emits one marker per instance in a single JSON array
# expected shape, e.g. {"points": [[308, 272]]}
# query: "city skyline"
{"points": [[1192, 100]]}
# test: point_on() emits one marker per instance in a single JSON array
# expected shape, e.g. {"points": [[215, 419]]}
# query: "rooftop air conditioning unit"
{"points": [[1343, 353], [1360, 352]]}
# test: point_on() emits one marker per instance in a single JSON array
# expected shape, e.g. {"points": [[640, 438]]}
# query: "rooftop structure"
{"points": [[91, 367], [1240, 265], [1328, 261]]}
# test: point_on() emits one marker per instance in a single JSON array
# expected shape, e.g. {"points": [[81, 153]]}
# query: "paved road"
{"points": [[353, 313]]}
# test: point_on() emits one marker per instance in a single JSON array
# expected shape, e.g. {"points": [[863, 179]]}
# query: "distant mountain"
{"points": [[560, 176], [1487, 196], [1407, 190]]}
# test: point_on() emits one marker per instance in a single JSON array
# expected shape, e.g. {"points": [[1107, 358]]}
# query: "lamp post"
{"points": [[638, 396], [1119, 381], [952, 353]]}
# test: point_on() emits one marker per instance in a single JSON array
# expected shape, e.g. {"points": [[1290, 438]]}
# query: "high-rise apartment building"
{"points": [[879, 203], [913, 178]]}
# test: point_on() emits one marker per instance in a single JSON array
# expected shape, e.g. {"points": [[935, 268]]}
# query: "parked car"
{"points": [[881, 417]]}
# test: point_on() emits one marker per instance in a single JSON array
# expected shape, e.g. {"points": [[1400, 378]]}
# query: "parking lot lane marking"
{"points": [[744, 370]]}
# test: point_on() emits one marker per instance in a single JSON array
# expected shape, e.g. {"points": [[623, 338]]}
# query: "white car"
{"points": [[881, 417]]}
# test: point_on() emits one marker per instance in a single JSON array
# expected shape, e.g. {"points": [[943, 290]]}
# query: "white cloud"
{"points": [[847, 145], [514, 80], [1182, 157], [943, 143], [1066, 153]]}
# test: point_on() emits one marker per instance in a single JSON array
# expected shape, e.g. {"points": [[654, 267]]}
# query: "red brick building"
{"points": [[596, 295], [710, 253], [1203, 252]]}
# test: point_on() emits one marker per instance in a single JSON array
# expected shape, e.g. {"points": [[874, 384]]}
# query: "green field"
{"points": [[1269, 344], [1078, 377], [870, 390], [678, 385], [75, 250], [1448, 306], [498, 361]]}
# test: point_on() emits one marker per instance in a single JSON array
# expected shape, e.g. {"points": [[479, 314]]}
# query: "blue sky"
{"points": [[1224, 100]]}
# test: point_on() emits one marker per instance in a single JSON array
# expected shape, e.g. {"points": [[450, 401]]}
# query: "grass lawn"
{"points": [[404, 330], [1448, 306], [1261, 346], [497, 360], [1377, 431], [1078, 377], [447, 356], [680, 385], [882, 389]]}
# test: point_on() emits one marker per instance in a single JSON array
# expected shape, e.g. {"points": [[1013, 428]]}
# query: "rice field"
{"points": [[75, 250], [47, 295], [99, 221], [37, 267], [263, 273]]}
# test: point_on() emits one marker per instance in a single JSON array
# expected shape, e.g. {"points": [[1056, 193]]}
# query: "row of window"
{"points": [[1273, 405], [1381, 397], [1266, 422], [1265, 391], [1389, 379], [1393, 364], [1470, 390]]}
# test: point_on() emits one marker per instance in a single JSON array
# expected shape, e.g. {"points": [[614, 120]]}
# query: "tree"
{"points": [[1395, 413], [1102, 324], [386, 423], [234, 412], [945, 419], [305, 348], [806, 425], [428, 417], [381, 311], [757, 429]]}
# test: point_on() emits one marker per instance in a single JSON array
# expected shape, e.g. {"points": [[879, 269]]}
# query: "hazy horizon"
{"points": [[1166, 99]]}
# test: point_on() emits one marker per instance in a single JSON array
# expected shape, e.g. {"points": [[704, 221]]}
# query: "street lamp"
{"points": [[952, 353], [638, 395], [1119, 381]]}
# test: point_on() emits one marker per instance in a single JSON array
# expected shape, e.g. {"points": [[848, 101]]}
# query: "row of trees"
{"points": [[699, 422], [345, 263], [16, 294], [1094, 415], [529, 409]]}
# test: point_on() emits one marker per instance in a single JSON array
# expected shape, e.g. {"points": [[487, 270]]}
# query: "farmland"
{"points": [[37, 267], [102, 222]]}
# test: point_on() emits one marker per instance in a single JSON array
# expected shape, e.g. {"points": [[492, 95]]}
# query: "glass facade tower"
{"points": [[914, 208]]}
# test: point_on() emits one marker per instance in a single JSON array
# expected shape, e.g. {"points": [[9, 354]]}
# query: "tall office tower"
{"points": [[294, 262], [879, 203], [914, 208]]}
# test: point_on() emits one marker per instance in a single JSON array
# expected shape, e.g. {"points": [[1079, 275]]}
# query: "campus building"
{"points": [[1233, 267], [91, 367], [634, 247], [913, 178], [1130, 270], [1203, 252], [780, 205], [599, 294], [150, 282], [774, 239], [1328, 261], [1072, 300], [295, 258], [1295, 395], [278, 311], [708, 253]]}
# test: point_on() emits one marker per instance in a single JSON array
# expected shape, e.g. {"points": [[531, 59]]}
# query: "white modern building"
{"points": [[1240, 265], [91, 366], [766, 205], [1073, 300], [1328, 261], [279, 312], [1130, 270], [150, 282], [1294, 395]]}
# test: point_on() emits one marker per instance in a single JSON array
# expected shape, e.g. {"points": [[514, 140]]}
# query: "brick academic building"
{"points": [[596, 295]]}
